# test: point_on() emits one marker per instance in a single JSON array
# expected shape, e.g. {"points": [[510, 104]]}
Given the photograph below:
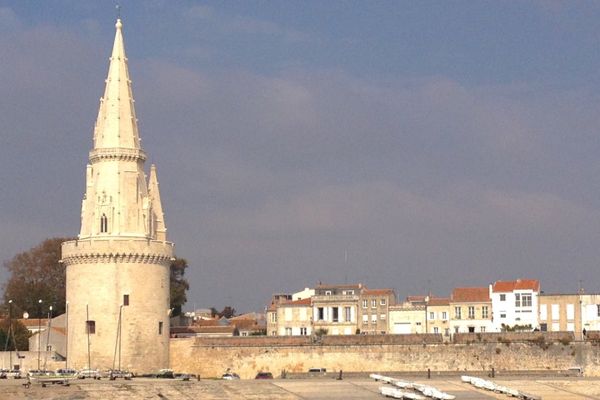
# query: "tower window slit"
{"points": [[103, 224]]}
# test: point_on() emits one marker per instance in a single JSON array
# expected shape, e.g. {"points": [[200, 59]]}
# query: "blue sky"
{"points": [[437, 143]]}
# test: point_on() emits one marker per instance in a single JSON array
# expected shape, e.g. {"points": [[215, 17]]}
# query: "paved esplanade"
{"points": [[289, 389]]}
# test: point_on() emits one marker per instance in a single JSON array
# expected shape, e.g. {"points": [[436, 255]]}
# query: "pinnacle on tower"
{"points": [[158, 221]]}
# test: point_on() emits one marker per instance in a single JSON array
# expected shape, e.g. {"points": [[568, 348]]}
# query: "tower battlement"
{"points": [[117, 249]]}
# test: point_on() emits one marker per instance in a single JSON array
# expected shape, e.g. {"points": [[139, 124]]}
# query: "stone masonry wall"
{"points": [[211, 357], [29, 360]]}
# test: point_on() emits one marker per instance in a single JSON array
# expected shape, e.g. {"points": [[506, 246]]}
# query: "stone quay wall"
{"points": [[211, 357]]}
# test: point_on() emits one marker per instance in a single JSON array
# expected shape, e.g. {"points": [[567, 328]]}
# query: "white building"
{"points": [[590, 310], [515, 303], [307, 293]]}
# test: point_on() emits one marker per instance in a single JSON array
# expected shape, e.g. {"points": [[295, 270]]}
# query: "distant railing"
{"points": [[336, 297]]}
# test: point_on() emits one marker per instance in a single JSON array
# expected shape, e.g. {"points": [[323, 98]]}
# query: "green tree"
{"points": [[227, 312], [20, 340], [36, 275], [179, 285]]}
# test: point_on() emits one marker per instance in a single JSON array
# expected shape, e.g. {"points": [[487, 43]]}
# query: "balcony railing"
{"points": [[335, 298]]}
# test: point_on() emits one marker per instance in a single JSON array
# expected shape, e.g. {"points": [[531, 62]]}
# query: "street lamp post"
{"points": [[67, 336], [48, 326], [39, 332], [10, 366]]}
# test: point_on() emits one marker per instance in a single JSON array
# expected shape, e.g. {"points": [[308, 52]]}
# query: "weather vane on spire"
{"points": [[118, 7]]}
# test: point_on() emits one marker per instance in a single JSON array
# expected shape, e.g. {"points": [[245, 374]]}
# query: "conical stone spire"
{"points": [[116, 125], [117, 202]]}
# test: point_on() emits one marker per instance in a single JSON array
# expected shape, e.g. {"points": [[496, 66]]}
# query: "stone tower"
{"points": [[118, 268]]}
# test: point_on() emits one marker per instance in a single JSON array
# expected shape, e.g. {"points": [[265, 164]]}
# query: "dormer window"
{"points": [[103, 224]]}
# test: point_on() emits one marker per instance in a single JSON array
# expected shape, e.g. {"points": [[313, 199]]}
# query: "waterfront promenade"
{"points": [[549, 388]]}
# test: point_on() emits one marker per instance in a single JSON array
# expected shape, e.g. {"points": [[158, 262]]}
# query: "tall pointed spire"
{"points": [[116, 202], [116, 125], [158, 221]]}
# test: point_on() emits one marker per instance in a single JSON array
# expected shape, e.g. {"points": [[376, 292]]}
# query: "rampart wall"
{"points": [[211, 357]]}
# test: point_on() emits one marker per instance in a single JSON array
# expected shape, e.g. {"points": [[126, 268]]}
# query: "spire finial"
{"points": [[118, 25]]}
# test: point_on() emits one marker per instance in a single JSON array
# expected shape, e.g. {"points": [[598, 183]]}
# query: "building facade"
{"points": [[438, 316], [470, 310], [295, 318], [590, 311], [560, 313], [406, 318], [515, 304], [335, 309], [578, 313], [117, 271], [373, 310]]}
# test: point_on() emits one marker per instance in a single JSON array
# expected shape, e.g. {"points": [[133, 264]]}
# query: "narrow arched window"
{"points": [[103, 224]]}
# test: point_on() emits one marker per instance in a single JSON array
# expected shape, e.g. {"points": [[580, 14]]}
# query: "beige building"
{"points": [[117, 271], [406, 318], [560, 312], [335, 309], [470, 310], [49, 337], [271, 311], [332, 310], [295, 318], [438, 316], [373, 310]]}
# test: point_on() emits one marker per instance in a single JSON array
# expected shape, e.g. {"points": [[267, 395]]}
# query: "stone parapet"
{"points": [[117, 249], [213, 357], [327, 340], [504, 337]]}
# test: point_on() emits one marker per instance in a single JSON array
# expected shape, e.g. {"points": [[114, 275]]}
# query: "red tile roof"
{"points": [[272, 308], [247, 325], [301, 302], [519, 284], [208, 322], [470, 295], [378, 292], [416, 298], [438, 301]]}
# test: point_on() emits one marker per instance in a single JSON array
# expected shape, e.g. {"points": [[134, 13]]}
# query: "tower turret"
{"points": [[118, 269]]}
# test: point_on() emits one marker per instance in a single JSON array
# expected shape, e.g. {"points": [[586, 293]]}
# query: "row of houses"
{"points": [[331, 309], [500, 306]]}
